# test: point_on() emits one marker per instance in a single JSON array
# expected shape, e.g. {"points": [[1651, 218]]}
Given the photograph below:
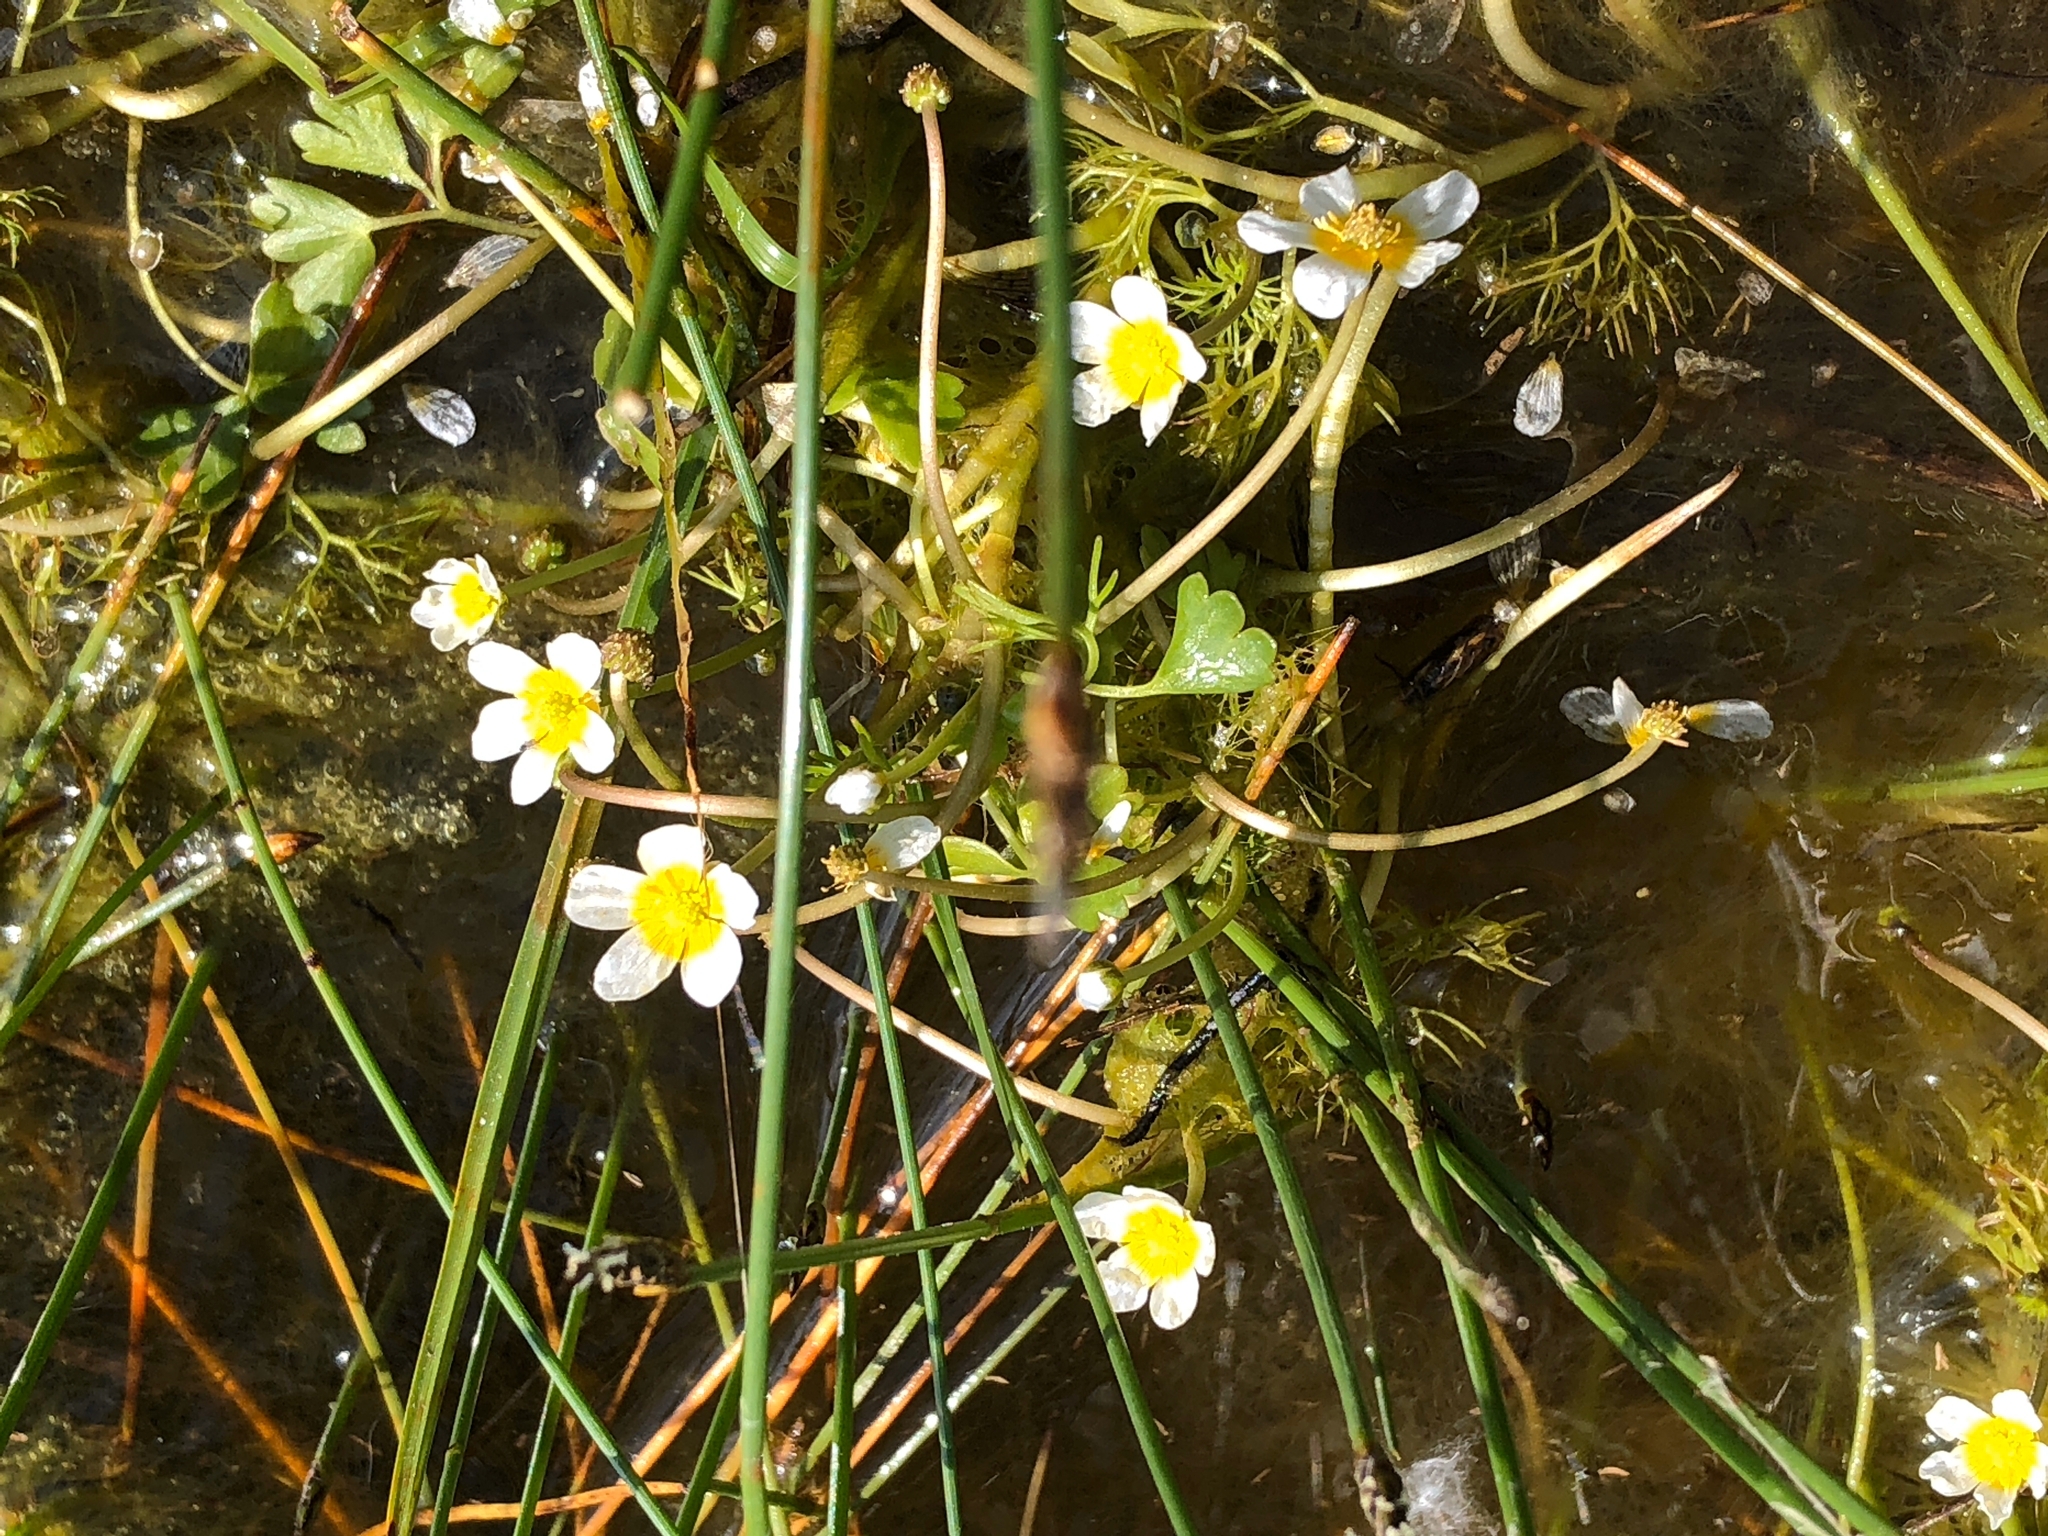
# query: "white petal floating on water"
{"points": [[441, 413], [1592, 711], [1539, 403], [1731, 719], [482, 260]]}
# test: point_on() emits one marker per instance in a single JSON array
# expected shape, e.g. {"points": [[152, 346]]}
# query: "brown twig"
{"points": [[145, 1190], [1982, 991]]}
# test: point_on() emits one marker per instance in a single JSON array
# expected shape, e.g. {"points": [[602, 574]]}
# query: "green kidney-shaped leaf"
{"points": [[892, 408], [171, 433], [360, 135], [286, 349], [1211, 650], [324, 238], [970, 859]]}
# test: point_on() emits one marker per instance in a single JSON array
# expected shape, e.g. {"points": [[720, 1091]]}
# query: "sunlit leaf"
{"points": [[170, 435], [286, 349], [891, 409], [360, 135], [325, 239], [968, 858], [341, 437], [1211, 650]]}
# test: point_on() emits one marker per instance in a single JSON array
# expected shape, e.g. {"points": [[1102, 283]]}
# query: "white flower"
{"points": [[902, 844], [1110, 831], [1163, 1251], [1350, 238], [678, 915], [486, 21], [1138, 358], [460, 604], [1617, 715], [552, 710], [854, 792], [1995, 1454], [1098, 988]]}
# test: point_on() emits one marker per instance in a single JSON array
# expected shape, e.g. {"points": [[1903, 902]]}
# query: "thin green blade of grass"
{"points": [[387, 1097], [841, 1496], [806, 463], [579, 1299], [1301, 1229], [523, 1170], [1517, 1515], [42, 1339]]}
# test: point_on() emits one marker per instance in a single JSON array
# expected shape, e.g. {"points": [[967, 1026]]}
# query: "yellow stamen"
{"points": [[1142, 360], [557, 710], [1160, 1243], [1663, 721], [1999, 1452], [678, 912], [471, 600], [1364, 237]]}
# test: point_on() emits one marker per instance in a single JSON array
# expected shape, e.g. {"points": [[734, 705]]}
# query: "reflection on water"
{"points": [[1730, 1035]]}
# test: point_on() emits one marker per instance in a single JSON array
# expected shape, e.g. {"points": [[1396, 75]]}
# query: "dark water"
{"points": [[1873, 579]]}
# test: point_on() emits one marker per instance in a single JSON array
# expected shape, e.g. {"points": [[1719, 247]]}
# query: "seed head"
{"points": [[926, 89], [629, 654]]}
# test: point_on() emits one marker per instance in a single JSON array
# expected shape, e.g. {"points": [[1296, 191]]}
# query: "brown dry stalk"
{"points": [[145, 1189]]}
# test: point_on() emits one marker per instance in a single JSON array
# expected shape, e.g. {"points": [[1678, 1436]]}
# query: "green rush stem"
{"points": [[530, 1146], [273, 40], [1060, 576], [95, 643], [952, 955], [579, 1299], [1855, 1467], [757, 1343], [1678, 1375], [678, 213], [724, 1414], [913, 1186], [87, 1243], [841, 1495], [428, 96], [1411, 1110], [597, 560], [73, 952], [1301, 1226], [693, 1217], [532, 971], [625, 118], [183, 894], [1809, 40]]}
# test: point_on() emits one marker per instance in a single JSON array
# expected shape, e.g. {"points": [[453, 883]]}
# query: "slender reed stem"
{"points": [[22, 1383], [930, 466], [145, 1190], [841, 1495], [763, 1222], [1982, 991]]}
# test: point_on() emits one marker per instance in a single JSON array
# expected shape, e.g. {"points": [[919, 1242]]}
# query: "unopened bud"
{"points": [[286, 846], [629, 654], [926, 89], [1098, 989]]}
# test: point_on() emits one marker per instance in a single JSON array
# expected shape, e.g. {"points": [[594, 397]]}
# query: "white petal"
{"points": [[441, 413], [588, 90], [1120, 1278], [2014, 1404], [1205, 1247], [1137, 298], [578, 656], [435, 604], [1096, 398], [1325, 286], [498, 666], [601, 896], [1157, 411], [1628, 714], [1102, 1216], [1946, 1473], [855, 791], [448, 636], [666, 847], [596, 747], [903, 843], [1423, 262], [533, 775], [1996, 1503], [1332, 192], [500, 730], [710, 977], [1193, 366], [2037, 1480], [736, 894], [1592, 711], [1092, 326], [1268, 233], [1438, 207], [1952, 1417], [629, 969], [1173, 1301], [484, 576], [1539, 403], [1140, 1195], [1113, 822], [448, 569]]}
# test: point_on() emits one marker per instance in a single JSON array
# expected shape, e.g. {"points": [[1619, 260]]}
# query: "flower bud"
{"points": [[1098, 988]]}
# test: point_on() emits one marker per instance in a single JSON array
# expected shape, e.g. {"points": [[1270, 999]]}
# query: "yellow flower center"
{"points": [[1660, 722], [557, 709], [1364, 237], [1161, 1243], [2000, 1453], [471, 600], [678, 912], [1143, 361]]}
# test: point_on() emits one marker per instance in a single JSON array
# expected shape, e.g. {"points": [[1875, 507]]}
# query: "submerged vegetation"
{"points": [[814, 422]]}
